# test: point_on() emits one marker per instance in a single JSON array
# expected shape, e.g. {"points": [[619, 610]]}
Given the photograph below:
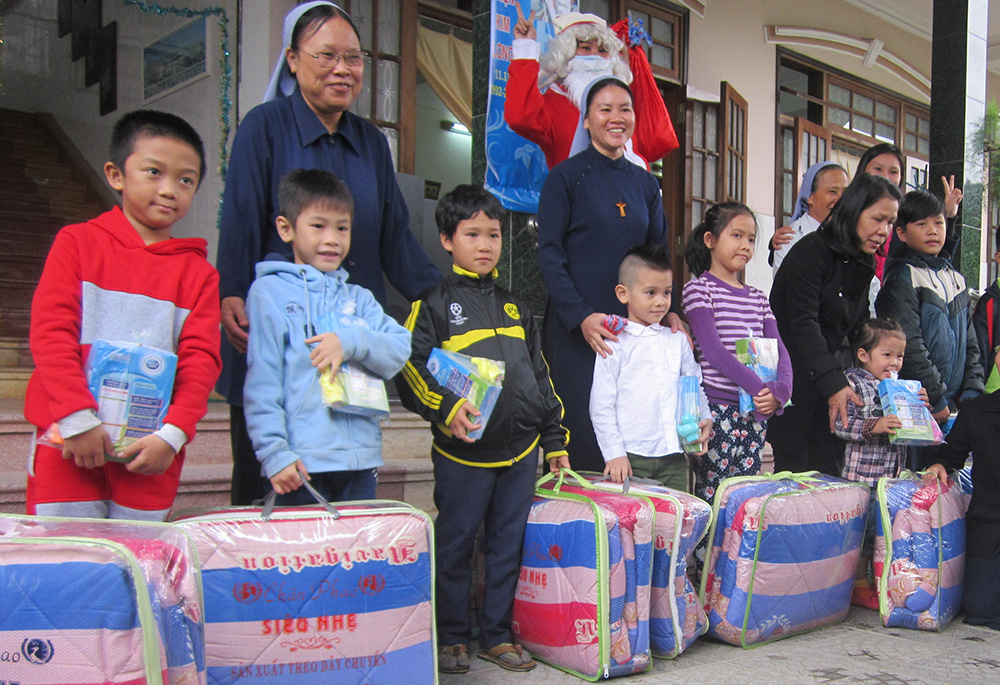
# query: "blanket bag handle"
{"points": [[268, 508], [580, 480], [630, 481]]}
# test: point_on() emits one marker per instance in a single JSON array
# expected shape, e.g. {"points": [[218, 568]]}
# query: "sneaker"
{"points": [[453, 659]]}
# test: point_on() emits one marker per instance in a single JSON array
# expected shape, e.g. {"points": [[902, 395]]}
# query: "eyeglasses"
{"points": [[328, 60]]}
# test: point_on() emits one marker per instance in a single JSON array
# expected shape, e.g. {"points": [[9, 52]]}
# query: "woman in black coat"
{"points": [[819, 298]]}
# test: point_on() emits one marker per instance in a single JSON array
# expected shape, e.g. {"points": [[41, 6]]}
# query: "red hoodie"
{"points": [[101, 281]]}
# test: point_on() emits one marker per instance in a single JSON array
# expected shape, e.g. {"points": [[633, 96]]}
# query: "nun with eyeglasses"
{"points": [[305, 122]]}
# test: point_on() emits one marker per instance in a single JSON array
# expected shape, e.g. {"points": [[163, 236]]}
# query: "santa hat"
{"points": [[564, 21], [283, 80]]}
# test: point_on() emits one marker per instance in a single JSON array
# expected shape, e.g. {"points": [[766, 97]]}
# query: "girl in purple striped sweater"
{"points": [[721, 309]]}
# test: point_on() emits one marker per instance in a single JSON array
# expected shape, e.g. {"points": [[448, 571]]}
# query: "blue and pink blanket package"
{"points": [[583, 596], [782, 556], [76, 610], [164, 563], [307, 595], [919, 551], [676, 617]]}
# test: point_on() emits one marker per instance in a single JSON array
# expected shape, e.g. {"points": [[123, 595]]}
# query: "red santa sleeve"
{"points": [[524, 108]]}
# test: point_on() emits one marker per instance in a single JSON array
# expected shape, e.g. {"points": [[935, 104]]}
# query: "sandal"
{"points": [[453, 659], [509, 656]]}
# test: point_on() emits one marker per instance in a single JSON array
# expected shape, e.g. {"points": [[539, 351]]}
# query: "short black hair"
{"points": [[313, 19], [873, 331], [302, 188], [645, 255], [917, 205], [841, 228], [150, 122], [464, 202]]}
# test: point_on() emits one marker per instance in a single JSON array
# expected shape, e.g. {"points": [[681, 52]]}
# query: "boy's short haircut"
{"points": [[874, 331], [650, 256], [464, 202], [150, 122], [918, 205], [302, 188]]}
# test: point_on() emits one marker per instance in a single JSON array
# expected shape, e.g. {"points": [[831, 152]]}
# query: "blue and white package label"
{"points": [[133, 385]]}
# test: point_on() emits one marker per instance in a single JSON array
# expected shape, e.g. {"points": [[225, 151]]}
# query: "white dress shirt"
{"points": [[633, 401]]}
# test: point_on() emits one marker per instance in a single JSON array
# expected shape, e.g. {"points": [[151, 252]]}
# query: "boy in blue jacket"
{"points": [[488, 481], [305, 317], [930, 300]]}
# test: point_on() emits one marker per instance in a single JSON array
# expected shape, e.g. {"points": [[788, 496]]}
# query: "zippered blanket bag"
{"points": [[582, 600], [317, 594], [783, 554], [919, 551]]}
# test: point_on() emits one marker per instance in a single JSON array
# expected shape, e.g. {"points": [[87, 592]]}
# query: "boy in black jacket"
{"points": [[490, 480]]}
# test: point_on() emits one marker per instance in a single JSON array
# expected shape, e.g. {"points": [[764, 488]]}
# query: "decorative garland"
{"points": [[225, 83]]}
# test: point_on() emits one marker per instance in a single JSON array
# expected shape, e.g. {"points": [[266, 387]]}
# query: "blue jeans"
{"points": [[335, 486]]}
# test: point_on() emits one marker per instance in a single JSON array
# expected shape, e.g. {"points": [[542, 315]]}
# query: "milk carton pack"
{"points": [[133, 385]]}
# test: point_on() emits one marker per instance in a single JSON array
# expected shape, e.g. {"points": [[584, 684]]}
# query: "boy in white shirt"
{"points": [[633, 400]]}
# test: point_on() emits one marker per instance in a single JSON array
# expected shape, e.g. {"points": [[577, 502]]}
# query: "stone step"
{"points": [[26, 267], [26, 187], [406, 439], [15, 354], [13, 382], [26, 227], [13, 167], [15, 322]]}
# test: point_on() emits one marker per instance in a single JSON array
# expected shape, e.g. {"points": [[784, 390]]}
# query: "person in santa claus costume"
{"points": [[543, 94]]}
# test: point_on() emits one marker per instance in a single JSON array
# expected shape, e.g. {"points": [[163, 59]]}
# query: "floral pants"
{"points": [[733, 450]]}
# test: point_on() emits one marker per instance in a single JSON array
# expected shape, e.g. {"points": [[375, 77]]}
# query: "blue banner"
{"points": [[515, 167]]}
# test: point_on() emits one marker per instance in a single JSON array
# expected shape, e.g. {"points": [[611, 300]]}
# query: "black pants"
{"points": [[248, 485], [982, 592], [467, 496], [801, 437]]}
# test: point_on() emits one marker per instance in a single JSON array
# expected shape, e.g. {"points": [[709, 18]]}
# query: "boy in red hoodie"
{"points": [[121, 277]]}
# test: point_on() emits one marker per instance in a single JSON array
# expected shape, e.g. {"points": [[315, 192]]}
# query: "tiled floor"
{"points": [[859, 650]]}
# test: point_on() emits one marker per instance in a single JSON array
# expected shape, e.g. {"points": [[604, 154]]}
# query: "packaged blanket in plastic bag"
{"points": [[676, 617], [582, 599], [963, 477], [919, 551], [75, 611], [783, 551], [168, 561], [317, 594]]}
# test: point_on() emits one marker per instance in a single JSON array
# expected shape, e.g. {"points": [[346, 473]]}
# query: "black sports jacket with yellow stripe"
{"points": [[474, 316]]}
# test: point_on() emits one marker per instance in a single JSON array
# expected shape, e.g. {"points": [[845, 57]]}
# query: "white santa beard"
{"points": [[581, 74]]}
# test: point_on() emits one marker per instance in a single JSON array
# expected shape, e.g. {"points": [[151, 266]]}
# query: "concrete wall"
{"points": [[441, 155], [38, 75]]}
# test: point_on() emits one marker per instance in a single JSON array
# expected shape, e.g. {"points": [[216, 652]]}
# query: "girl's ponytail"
{"points": [[696, 252]]}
